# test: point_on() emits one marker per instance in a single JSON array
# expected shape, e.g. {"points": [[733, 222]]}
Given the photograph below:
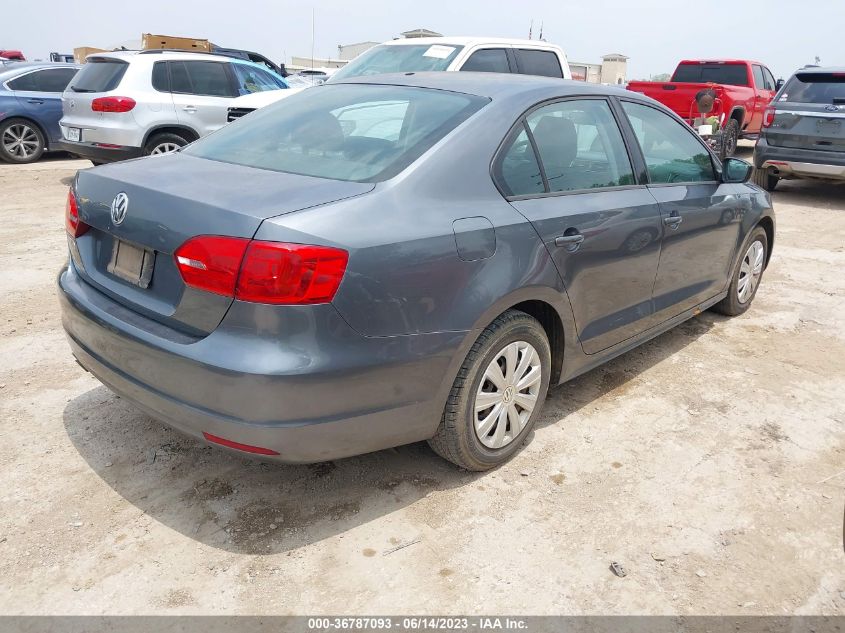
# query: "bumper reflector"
{"points": [[237, 445]]}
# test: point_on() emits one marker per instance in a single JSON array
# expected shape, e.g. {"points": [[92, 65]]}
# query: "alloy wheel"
{"points": [[20, 140], [507, 394], [164, 148], [750, 271]]}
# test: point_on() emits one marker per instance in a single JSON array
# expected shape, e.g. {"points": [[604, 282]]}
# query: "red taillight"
{"points": [[768, 117], [260, 450], [75, 227], [211, 262], [273, 272], [262, 272], [112, 104]]}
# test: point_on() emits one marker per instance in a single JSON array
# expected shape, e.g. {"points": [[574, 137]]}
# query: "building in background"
{"points": [[348, 52], [613, 70]]}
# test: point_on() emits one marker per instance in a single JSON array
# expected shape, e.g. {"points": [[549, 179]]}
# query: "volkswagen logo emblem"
{"points": [[119, 206], [832, 108]]}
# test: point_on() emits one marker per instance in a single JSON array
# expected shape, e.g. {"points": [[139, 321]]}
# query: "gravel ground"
{"points": [[709, 463]]}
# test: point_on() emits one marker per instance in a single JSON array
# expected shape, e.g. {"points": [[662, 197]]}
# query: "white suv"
{"points": [[134, 103], [479, 54]]}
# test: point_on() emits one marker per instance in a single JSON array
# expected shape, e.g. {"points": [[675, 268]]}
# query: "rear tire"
{"points": [[765, 178], [481, 439], [164, 143], [21, 141], [730, 138], [748, 270]]}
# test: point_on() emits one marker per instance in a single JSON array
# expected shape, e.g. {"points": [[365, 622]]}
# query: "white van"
{"points": [[479, 54]]}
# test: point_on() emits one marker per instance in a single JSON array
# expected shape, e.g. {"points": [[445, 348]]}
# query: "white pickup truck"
{"points": [[479, 54]]}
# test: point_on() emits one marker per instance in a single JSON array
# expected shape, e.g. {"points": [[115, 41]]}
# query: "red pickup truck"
{"points": [[742, 91]]}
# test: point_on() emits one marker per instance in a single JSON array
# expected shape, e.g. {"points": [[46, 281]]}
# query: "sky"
{"points": [[655, 34]]}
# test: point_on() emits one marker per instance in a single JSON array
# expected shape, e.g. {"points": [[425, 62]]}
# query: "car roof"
{"points": [[159, 55], [459, 40], [490, 85], [821, 69]]}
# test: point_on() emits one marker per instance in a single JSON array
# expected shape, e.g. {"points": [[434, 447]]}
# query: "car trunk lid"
{"points": [[170, 199]]}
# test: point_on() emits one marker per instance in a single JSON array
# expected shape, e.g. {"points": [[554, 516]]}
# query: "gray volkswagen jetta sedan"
{"points": [[402, 258]]}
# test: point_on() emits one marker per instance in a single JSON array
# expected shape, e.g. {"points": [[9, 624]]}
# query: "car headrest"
{"points": [[557, 141], [319, 132]]}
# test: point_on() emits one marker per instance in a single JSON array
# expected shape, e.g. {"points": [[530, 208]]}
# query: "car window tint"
{"points": [[363, 133], [544, 63], [672, 151], [53, 79], [208, 79], [179, 79], [818, 87], [517, 170], [24, 82], [580, 145], [251, 79], [770, 80], [160, 78], [759, 80], [99, 76], [488, 60], [728, 74]]}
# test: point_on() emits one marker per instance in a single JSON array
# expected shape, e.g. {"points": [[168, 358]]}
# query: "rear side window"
{"points": [[99, 76], [544, 63], [48, 80], [251, 79], [200, 78], [361, 133], [672, 152], [726, 74], [160, 78], [517, 171], [827, 88], [489, 60]]}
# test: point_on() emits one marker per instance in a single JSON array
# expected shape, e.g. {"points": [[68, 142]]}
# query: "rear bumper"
{"points": [[97, 153], [799, 163], [322, 392]]}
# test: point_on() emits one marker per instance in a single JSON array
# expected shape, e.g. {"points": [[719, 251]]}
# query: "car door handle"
{"points": [[570, 242], [190, 108], [673, 221], [38, 101]]}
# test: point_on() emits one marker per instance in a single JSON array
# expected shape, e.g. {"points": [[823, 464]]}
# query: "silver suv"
{"points": [[135, 103]]}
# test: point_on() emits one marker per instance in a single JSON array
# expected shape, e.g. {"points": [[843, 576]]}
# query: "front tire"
{"points": [[747, 275], [497, 395], [21, 141], [765, 178]]}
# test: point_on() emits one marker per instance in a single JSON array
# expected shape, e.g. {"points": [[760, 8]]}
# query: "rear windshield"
{"points": [[362, 133], [99, 76], [399, 59], [815, 88], [726, 74]]}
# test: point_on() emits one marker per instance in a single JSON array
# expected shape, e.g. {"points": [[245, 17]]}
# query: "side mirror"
{"points": [[779, 84], [736, 170]]}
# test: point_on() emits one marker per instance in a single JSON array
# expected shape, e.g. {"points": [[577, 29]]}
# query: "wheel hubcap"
{"points": [[20, 140], [165, 148], [750, 272], [507, 394]]}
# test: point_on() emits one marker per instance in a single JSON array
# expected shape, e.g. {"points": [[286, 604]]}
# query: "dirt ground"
{"points": [[709, 463]]}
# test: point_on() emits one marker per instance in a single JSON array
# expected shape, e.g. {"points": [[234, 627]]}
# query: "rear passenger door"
{"points": [[202, 92], [531, 61], [40, 94], [600, 226], [700, 216]]}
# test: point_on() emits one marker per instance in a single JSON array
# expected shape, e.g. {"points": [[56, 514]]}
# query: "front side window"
{"points": [[488, 60], [361, 133], [399, 59], [771, 84], [543, 63], [759, 79], [580, 145], [672, 152], [251, 79]]}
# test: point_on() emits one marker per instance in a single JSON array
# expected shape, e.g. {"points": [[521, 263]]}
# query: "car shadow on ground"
{"points": [[245, 506]]}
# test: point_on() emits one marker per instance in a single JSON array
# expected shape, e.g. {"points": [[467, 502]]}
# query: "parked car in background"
{"points": [[251, 56], [314, 76], [402, 258], [495, 55], [12, 55], [30, 108], [134, 103], [66, 58], [804, 129], [251, 102], [743, 89]]}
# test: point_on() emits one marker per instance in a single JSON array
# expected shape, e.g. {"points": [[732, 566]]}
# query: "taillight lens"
{"points": [[75, 227], [211, 262], [262, 272], [112, 104], [768, 117], [273, 272]]}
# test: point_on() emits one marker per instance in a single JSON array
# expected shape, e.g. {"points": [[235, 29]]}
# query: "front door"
{"points": [[700, 216], [601, 229]]}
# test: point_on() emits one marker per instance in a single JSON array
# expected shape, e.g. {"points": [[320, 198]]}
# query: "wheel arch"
{"points": [[768, 225], [738, 115], [189, 133]]}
